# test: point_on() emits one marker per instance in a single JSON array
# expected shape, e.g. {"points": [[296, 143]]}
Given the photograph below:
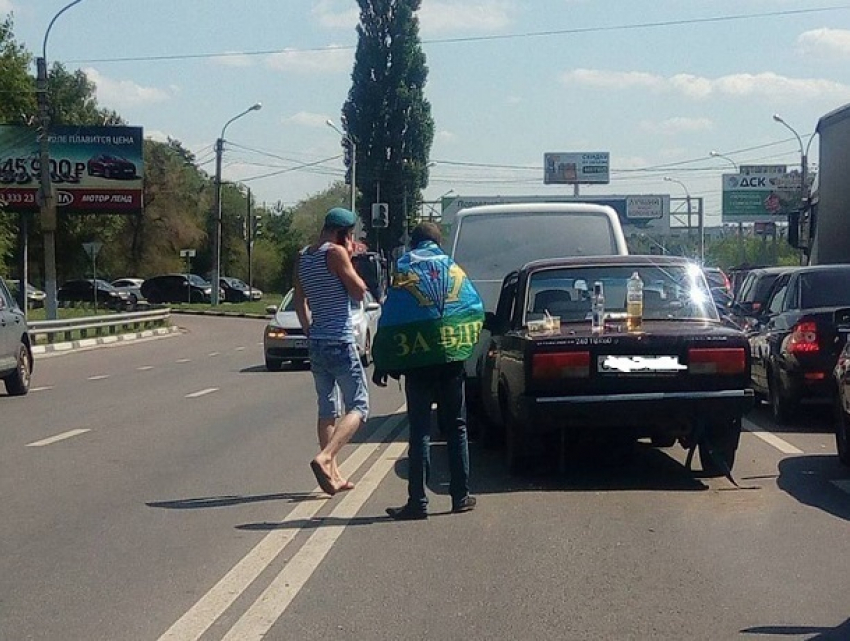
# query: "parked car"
{"points": [[284, 340], [109, 166], [16, 361], [86, 290], [35, 296], [237, 291], [752, 294], [717, 278], [177, 288], [133, 287], [683, 376], [841, 375], [798, 335]]}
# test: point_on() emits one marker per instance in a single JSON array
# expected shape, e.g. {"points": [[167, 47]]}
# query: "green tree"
{"points": [[17, 106], [388, 116]]}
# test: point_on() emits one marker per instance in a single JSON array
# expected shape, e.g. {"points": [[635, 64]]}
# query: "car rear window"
{"points": [[762, 288], [825, 289], [488, 247]]}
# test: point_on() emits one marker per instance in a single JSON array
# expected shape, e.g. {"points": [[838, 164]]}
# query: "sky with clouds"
{"points": [[656, 83]]}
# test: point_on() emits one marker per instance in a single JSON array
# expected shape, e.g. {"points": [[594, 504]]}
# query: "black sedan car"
{"points": [[112, 167], [177, 288], [99, 292], [683, 375], [842, 403], [796, 339], [752, 295], [237, 291]]}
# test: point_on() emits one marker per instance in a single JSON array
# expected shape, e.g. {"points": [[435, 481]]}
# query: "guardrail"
{"points": [[70, 328]]}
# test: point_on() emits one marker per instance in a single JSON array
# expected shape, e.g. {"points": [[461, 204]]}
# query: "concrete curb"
{"points": [[53, 348], [192, 312]]}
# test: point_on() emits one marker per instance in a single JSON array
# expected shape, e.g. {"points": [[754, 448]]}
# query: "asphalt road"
{"points": [[161, 490]]}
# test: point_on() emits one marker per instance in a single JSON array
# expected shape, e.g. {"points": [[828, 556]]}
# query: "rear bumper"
{"points": [[638, 410]]}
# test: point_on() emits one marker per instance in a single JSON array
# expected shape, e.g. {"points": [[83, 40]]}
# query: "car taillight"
{"points": [[804, 338], [719, 360], [557, 365]]}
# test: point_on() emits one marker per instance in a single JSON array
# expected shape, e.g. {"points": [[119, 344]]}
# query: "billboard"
{"points": [[760, 197], [575, 168], [640, 213], [93, 169]]}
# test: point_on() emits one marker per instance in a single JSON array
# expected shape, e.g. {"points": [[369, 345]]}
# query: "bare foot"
{"points": [[323, 477]]}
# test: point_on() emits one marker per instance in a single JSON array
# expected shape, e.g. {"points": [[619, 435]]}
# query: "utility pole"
{"points": [[47, 204], [250, 247]]}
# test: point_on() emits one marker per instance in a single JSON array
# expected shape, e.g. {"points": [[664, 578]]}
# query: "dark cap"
{"points": [[340, 217]]}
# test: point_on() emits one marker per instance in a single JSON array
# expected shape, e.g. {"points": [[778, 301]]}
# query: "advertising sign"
{"points": [[92, 169], [576, 168], [645, 213], [762, 197]]}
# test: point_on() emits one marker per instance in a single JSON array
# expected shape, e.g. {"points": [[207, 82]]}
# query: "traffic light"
{"points": [[257, 226], [380, 215]]}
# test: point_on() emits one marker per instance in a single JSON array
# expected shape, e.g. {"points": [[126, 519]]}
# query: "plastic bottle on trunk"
{"points": [[598, 311], [634, 303]]}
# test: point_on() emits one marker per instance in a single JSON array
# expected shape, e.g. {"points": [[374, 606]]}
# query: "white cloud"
{"points": [[307, 119], [157, 135], [677, 125], [6, 6], [445, 136], [336, 14], [113, 94], [760, 85], [234, 59], [471, 15], [332, 59], [825, 43]]}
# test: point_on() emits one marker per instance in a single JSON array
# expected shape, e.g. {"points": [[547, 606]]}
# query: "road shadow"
{"points": [[587, 469], [314, 523], [838, 633], [205, 502], [813, 419], [287, 366], [809, 479]]}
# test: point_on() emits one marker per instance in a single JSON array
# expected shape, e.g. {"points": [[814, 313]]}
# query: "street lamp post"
{"points": [[47, 206], [219, 150], [717, 154], [353, 145], [700, 223], [804, 161]]}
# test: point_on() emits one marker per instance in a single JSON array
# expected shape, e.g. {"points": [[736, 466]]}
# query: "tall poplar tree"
{"points": [[388, 116]]}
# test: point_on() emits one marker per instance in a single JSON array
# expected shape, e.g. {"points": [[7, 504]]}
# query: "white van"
{"points": [[490, 241]]}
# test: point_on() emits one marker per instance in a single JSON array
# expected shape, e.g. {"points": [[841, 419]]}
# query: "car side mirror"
{"points": [[271, 309]]}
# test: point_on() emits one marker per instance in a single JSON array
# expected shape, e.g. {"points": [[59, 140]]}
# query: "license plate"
{"points": [[618, 364], [297, 343]]}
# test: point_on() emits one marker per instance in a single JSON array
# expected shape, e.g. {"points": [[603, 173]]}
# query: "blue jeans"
{"points": [[337, 368], [445, 385]]}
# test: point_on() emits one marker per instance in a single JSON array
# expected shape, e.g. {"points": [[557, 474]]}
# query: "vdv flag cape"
{"points": [[432, 314]]}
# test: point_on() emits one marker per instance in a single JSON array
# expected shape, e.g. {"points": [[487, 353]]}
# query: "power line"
{"points": [[510, 36]]}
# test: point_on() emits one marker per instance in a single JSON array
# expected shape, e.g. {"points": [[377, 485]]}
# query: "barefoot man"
{"points": [[325, 284]]}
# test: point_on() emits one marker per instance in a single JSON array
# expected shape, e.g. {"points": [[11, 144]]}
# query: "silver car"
{"points": [[16, 360], [283, 339]]}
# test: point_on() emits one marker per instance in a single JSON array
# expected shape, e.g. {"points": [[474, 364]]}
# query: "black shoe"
{"points": [[407, 513], [466, 504]]}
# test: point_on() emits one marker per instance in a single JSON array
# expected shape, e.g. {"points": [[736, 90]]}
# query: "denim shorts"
{"points": [[337, 369]]}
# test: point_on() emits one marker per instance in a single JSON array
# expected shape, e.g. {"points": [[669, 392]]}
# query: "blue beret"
{"points": [[340, 217]]}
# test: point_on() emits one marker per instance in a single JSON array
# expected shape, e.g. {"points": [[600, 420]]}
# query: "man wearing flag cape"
{"points": [[429, 325]]}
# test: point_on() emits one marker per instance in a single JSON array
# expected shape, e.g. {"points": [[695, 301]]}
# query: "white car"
{"points": [[283, 339]]}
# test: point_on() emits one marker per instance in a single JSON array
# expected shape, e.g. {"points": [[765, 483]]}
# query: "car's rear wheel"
{"points": [[18, 382], [782, 407], [517, 457], [719, 445], [273, 364], [842, 432]]}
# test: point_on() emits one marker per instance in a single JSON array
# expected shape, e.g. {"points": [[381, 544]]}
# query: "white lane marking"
{"points": [[274, 600], [202, 392], [195, 622], [240, 349], [41, 389], [99, 377], [144, 368], [183, 360], [58, 437], [213, 354], [842, 484], [771, 439]]}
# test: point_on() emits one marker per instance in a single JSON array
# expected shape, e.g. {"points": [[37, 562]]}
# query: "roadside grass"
{"points": [[252, 307]]}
